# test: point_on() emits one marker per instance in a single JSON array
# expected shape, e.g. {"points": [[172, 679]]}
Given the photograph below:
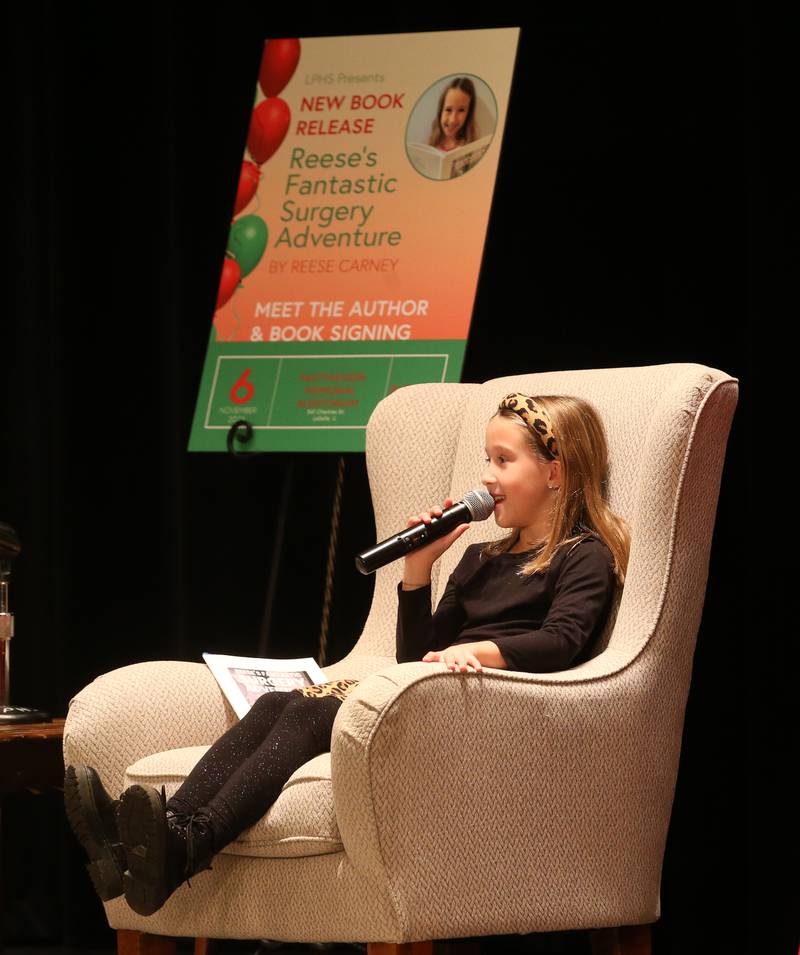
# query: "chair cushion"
{"points": [[301, 821]]}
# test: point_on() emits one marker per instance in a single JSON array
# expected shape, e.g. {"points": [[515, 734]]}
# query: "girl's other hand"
{"points": [[455, 658]]}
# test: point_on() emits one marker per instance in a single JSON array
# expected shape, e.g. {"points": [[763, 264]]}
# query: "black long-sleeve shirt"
{"points": [[541, 623]]}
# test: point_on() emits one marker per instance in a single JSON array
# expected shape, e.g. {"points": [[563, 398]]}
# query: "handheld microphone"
{"points": [[476, 506]]}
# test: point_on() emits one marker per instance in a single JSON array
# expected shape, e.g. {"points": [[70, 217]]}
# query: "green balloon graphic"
{"points": [[247, 241]]}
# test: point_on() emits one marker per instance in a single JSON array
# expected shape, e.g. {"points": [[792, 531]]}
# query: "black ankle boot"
{"points": [[92, 815], [163, 848], [190, 842]]}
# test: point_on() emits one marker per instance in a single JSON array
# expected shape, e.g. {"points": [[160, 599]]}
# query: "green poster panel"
{"points": [[301, 400]]}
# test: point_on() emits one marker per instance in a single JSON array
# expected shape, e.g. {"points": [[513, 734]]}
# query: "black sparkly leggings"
{"points": [[243, 773]]}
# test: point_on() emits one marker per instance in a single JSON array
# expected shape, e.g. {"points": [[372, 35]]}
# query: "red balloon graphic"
{"points": [[278, 65], [268, 126], [248, 183], [231, 273]]}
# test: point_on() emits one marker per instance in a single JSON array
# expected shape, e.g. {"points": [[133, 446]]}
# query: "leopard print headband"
{"points": [[535, 417]]}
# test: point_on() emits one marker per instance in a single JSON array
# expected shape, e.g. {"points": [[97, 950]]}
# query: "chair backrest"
{"points": [[667, 428]]}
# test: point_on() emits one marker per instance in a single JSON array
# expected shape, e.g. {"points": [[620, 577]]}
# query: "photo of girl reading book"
{"points": [[451, 126]]}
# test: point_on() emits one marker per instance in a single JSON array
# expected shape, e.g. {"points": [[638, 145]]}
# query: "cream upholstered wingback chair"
{"points": [[459, 805]]}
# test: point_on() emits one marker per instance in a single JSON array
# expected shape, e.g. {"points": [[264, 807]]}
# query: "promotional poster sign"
{"points": [[357, 235]]}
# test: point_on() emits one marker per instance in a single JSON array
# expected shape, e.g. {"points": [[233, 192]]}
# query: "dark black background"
{"points": [[645, 212]]}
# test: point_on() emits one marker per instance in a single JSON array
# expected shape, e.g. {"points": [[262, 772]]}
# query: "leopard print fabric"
{"points": [[535, 417], [338, 688]]}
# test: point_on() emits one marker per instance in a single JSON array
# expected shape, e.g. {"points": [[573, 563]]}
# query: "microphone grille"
{"points": [[480, 503]]}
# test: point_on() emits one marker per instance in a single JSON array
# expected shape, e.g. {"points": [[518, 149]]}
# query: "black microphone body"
{"points": [[477, 505]]}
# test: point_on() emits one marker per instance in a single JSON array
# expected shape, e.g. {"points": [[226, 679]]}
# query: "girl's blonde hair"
{"points": [[580, 503]]}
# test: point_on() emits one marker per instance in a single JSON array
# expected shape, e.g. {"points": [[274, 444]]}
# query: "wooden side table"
{"points": [[31, 759], [32, 756]]}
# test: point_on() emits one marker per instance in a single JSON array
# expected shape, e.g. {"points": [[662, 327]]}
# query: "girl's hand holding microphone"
{"points": [[417, 573], [417, 565]]}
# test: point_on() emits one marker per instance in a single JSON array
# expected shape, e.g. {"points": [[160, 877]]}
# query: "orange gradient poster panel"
{"points": [[357, 233]]}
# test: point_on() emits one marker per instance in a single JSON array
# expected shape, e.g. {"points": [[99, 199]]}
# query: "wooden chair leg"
{"points": [[130, 942], [624, 940], [400, 948], [454, 946]]}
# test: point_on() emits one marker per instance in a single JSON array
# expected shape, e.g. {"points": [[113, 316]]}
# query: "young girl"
{"points": [[454, 123], [534, 600]]}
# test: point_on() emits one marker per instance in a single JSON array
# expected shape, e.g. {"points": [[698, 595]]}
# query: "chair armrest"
{"points": [[473, 785], [140, 709]]}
